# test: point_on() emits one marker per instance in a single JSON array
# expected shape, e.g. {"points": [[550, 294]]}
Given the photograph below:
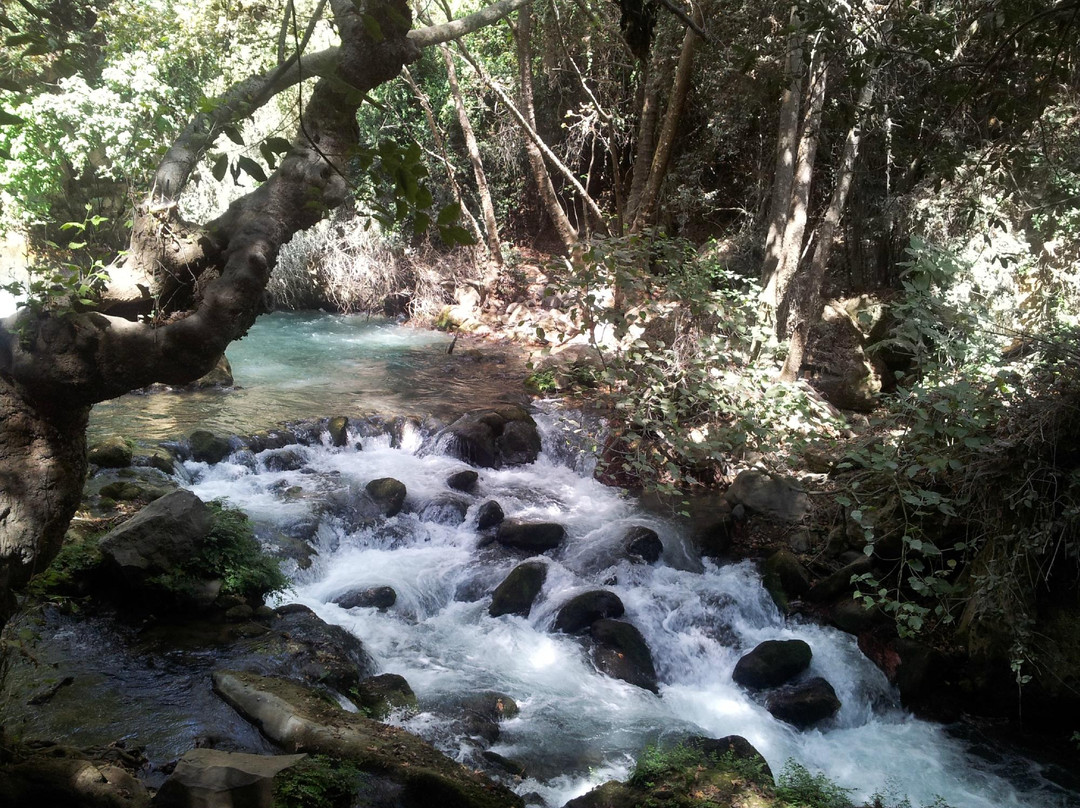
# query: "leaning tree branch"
{"points": [[455, 29]]}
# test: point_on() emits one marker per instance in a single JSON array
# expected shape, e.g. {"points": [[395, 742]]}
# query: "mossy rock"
{"points": [[112, 453], [381, 695], [206, 447], [518, 591], [388, 494], [338, 427]]}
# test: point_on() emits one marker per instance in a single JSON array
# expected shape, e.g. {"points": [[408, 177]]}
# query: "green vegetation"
{"points": [[318, 781], [66, 576], [230, 553]]}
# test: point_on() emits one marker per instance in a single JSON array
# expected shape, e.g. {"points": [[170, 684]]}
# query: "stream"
{"points": [[576, 728]]}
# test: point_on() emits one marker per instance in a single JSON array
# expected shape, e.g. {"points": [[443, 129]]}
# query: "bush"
{"points": [[317, 782]]}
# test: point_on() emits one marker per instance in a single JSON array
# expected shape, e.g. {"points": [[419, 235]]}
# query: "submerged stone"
{"points": [[805, 704], [582, 610]]}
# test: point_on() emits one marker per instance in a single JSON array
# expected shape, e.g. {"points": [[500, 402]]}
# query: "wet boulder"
{"points": [[338, 430], [483, 712], [464, 481], [164, 535], [489, 515], [518, 591], [209, 777], [785, 577], [535, 537], [375, 597], [621, 652], [220, 375], [643, 544], [383, 694], [305, 648], [772, 663], [493, 438], [388, 494], [61, 776], [291, 458], [206, 447], [839, 583], [772, 495], [111, 453], [805, 704], [584, 609]]}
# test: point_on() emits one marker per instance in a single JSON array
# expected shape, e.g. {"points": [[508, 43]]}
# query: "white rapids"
{"points": [[578, 728]]}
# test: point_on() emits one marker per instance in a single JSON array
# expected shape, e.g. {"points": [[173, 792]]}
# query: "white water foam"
{"points": [[578, 728]]}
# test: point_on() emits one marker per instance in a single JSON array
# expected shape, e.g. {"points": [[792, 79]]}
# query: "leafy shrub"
{"points": [[798, 788], [688, 365], [317, 782]]}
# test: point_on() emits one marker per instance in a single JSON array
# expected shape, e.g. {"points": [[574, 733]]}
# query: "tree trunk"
{"points": [[661, 158], [786, 143], [648, 117], [550, 200], [777, 290], [42, 468], [806, 306], [491, 225]]}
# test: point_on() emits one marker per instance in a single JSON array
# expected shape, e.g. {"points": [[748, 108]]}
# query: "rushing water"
{"points": [[293, 366], [577, 727]]}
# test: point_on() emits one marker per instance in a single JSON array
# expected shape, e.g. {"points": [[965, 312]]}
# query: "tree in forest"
{"points": [[184, 290]]}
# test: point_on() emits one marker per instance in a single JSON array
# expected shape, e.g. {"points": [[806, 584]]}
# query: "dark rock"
{"points": [[509, 766], [445, 510], [533, 536], [515, 595], [206, 447], [490, 514], [165, 534], [853, 617], [157, 457], [838, 583], [463, 481], [845, 375], [127, 491], [734, 745], [210, 778], [338, 427], [289, 459], [111, 453], [804, 705], [582, 610], [772, 495], [785, 578], [388, 493], [303, 647], [622, 653], [239, 613], [484, 711], [63, 777], [376, 597], [772, 663], [381, 695], [715, 537], [643, 543], [493, 438]]}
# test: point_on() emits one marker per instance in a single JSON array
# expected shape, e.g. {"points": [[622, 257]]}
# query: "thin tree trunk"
{"points": [[567, 234], [807, 309], [491, 225], [661, 158], [646, 138], [440, 144], [786, 144], [778, 287]]}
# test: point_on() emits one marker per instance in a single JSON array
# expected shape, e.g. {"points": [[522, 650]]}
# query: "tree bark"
{"points": [[487, 208], [806, 308], [548, 198], [648, 116], [646, 210], [778, 287], [55, 365], [787, 137]]}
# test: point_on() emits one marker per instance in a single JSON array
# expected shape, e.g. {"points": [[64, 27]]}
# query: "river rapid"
{"points": [[577, 727]]}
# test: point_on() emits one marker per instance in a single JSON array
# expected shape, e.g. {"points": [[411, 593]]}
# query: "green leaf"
{"points": [[449, 214], [221, 165], [233, 134], [9, 119], [250, 167]]}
